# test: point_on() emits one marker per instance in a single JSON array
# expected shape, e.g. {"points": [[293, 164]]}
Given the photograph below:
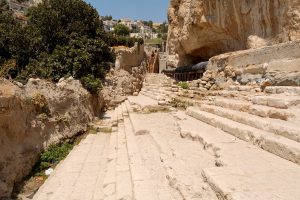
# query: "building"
{"points": [[109, 25], [127, 22]]}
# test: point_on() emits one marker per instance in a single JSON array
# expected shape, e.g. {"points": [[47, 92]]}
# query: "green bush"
{"points": [[121, 30], [112, 40], [53, 155], [184, 85], [62, 38], [91, 83]]}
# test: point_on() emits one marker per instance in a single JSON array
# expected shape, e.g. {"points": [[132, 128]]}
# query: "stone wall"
{"points": [[127, 76], [126, 58], [280, 64], [35, 115], [200, 29]]}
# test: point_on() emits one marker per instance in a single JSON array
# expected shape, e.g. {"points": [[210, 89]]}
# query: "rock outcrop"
{"points": [[126, 58], [127, 76], [120, 83], [200, 29], [278, 64], [36, 115]]}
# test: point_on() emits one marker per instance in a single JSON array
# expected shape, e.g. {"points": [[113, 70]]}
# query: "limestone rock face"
{"points": [[200, 29], [126, 58], [34, 116], [119, 83]]}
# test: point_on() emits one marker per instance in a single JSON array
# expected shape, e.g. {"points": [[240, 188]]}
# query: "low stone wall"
{"points": [[34, 116], [278, 64], [126, 58], [273, 55]]}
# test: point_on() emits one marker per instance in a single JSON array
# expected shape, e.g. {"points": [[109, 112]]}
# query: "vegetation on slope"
{"points": [[61, 38]]}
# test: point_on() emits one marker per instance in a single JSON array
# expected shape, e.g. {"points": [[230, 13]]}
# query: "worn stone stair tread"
{"points": [[246, 106], [248, 171], [277, 100], [123, 175], [251, 182], [142, 100], [83, 168], [284, 128], [119, 113], [110, 176], [278, 145], [282, 89], [143, 185]]}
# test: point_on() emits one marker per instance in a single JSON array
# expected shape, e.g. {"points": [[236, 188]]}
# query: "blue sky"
{"points": [[155, 10]]}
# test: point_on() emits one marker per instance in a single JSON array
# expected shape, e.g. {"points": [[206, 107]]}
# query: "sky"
{"points": [[155, 10]]}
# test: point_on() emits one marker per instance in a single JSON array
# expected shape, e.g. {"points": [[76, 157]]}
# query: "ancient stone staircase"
{"points": [[106, 165], [268, 120], [235, 144]]}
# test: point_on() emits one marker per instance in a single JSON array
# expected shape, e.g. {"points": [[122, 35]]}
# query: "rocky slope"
{"points": [[127, 76], [200, 29], [35, 115]]}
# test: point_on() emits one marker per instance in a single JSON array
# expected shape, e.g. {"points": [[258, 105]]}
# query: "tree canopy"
{"points": [[61, 38], [121, 30]]}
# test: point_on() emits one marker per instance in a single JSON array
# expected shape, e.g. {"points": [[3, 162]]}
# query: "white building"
{"points": [[109, 25]]}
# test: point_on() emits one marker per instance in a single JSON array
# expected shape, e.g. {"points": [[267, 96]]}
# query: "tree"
{"points": [[7, 24], [59, 20], [122, 30], [148, 23], [107, 17]]}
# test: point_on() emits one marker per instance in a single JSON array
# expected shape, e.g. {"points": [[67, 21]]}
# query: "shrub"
{"points": [[53, 155], [91, 83], [112, 40], [184, 85], [121, 30], [62, 38]]}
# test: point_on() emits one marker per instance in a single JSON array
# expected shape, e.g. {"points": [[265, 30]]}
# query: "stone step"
{"points": [[277, 101], [141, 101], [246, 106], [244, 88], [247, 172], [109, 184], [278, 145], [248, 183], [143, 186], [123, 174], [278, 127], [81, 174], [155, 96], [282, 89], [119, 113]]}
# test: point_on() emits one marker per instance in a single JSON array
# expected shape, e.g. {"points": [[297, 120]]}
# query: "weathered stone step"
{"points": [[109, 184], [248, 172], [154, 96], [276, 126], [277, 101], [278, 145], [81, 174], [244, 88], [246, 106], [254, 182], [282, 89], [141, 101], [124, 180], [119, 113], [143, 186]]}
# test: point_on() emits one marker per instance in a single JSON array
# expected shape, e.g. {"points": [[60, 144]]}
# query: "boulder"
{"points": [[201, 29]]}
